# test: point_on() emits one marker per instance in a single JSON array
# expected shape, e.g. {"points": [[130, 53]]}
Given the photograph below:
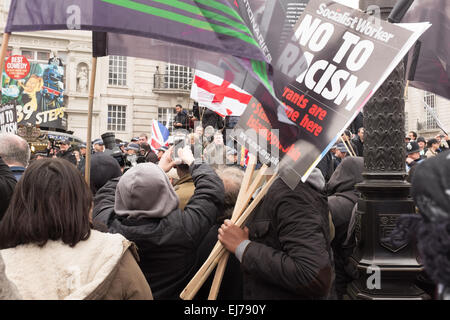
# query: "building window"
{"points": [[166, 116], [116, 118], [430, 100], [178, 77], [117, 71], [36, 55]]}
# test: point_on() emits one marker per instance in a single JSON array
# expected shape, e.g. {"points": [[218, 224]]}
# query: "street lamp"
{"points": [[386, 271]]}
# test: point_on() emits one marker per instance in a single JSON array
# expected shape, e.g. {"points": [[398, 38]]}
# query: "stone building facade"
{"points": [[129, 92], [419, 119]]}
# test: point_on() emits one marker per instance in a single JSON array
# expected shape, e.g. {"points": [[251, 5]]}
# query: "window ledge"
{"points": [[118, 87]]}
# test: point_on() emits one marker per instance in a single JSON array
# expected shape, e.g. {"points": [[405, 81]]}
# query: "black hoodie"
{"points": [[342, 197]]}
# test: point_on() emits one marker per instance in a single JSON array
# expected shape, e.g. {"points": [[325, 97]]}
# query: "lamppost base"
{"points": [[392, 290]]}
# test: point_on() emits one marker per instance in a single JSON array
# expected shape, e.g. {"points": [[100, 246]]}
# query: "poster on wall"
{"points": [[38, 94]]}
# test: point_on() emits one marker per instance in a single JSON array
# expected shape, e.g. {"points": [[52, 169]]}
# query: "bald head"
{"points": [[14, 150], [232, 179]]}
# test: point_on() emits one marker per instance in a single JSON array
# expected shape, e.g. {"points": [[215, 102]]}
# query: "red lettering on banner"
{"points": [[310, 126]]}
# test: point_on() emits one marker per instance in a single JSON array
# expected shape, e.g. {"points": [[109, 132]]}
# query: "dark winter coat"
{"points": [[341, 201], [68, 155], [210, 118], [289, 256], [151, 157], [183, 118], [7, 185], [327, 165], [168, 246], [358, 146], [231, 287]]}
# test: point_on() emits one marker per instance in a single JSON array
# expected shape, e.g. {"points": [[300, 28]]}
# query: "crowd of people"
{"points": [[149, 219]]}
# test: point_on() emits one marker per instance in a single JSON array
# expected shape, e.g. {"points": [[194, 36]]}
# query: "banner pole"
{"points": [[87, 169], [349, 142], [3, 56], [347, 147], [218, 251], [238, 209]]}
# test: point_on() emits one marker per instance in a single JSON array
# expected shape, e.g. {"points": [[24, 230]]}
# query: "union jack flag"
{"points": [[160, 136], [244, 157]]}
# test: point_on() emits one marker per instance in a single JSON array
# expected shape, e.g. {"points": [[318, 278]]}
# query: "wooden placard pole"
{"points": [[238, 208], [3, 56], [87, 169], [352, 152], [218, 251]]}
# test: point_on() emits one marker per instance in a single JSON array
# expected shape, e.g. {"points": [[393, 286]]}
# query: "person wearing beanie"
{"points": [[422, 145], [146, 211], [103, 168]]}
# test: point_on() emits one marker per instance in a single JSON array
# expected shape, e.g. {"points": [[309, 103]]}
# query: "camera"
{"points": [[179, 142]]}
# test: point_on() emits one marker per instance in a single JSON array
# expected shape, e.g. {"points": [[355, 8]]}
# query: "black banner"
{"points": [[338, 56], [8, 118]]}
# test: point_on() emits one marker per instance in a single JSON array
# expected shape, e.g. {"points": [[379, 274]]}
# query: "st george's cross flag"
{"points": [[218, 94], [160, 136]]}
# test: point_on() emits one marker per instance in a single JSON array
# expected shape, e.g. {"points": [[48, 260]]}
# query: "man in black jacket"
{"points": [[285, 249], [145, 211], [358, 142], [66, 152], [7, 185], [181, 119]]}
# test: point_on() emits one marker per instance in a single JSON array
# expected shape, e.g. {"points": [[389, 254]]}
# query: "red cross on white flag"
{"points": [[219, 95]]}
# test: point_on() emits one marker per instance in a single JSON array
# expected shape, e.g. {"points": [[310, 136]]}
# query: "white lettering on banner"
{"points": [[8, 128], [25, 113], [374, 30], [7, 123], [314, 35], [257, 32], [49, 116]]}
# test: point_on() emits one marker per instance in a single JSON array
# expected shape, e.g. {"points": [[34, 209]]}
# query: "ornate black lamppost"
{"points": [[386, 271]]}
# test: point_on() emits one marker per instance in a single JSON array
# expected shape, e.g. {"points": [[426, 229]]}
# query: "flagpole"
{"points": [[3, 55], [87, 169]]}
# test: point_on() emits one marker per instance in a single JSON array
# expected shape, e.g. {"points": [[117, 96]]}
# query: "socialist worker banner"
{"points": [[339, 57]]}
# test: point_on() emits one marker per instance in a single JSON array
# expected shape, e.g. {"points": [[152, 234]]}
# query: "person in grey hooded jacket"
{"points": [[145, 211], [285, 249]]}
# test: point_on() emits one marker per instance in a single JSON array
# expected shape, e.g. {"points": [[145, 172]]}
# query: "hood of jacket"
{"points": [[57, 271], [145, 191], [346, 175], [316, 180]]}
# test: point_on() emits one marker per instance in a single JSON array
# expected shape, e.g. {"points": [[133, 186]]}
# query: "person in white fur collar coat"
{"points": [[49, 248]]}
